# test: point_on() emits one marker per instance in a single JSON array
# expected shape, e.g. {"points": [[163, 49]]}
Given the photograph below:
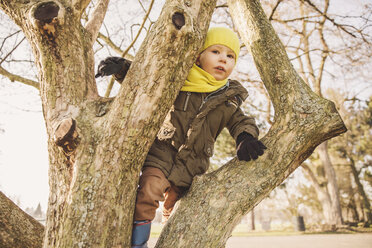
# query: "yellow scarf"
{"points": [[199, 80]]}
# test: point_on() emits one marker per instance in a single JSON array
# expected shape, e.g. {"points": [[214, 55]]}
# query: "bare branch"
{"points": [[144, 9], [274, 9], [98, 15], [140, 29], [306, 43], [12, 77], [325, 50], [328, 18], [14, 48], [110, 43], [109, 87], [9, 36]]}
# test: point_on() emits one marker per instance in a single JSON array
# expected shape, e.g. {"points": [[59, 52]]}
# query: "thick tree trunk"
{"points": [[97, 145], [332, 186], [217, 201], [18, 229]]}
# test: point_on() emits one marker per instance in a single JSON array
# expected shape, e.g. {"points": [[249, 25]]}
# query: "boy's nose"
{"points": [[222, 59]]}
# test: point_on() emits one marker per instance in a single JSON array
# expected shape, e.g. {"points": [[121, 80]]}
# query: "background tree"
{"points": [[316, 32], [100, 124], [354, 149]]}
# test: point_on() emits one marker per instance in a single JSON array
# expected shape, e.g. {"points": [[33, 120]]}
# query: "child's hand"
{"points": [[248, 147], [113, 65]]}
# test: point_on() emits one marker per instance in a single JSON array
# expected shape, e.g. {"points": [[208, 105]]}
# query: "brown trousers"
{"points": [[154, 187]]}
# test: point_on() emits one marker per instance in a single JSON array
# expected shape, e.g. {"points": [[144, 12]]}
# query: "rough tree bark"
{"points": [[18, 229], [97, 145], [217, 201]]}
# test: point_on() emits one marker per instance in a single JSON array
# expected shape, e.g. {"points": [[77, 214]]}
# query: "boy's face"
{"points": [[217, 60]]}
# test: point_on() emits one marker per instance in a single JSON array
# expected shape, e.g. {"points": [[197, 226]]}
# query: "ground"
{"points": [[298, 241]]}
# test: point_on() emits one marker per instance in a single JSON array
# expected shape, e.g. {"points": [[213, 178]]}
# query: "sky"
{"points": [[23, 147], [23, 144]]}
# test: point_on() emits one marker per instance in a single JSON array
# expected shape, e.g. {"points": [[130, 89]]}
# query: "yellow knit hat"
{"points": [[223, 36]]}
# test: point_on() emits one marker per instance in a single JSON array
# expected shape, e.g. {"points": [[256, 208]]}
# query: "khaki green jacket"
{"points": [[186, 139]]}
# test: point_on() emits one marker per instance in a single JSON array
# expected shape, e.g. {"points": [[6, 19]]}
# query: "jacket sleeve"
{"points": [[239, 123]]}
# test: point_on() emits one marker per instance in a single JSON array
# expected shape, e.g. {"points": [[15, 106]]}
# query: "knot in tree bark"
{"points": [[45, 12], [178, 20], [66, 136], [46, 15]]}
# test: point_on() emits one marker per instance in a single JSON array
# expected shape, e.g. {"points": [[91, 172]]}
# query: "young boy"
{"points": [[207, 103]]}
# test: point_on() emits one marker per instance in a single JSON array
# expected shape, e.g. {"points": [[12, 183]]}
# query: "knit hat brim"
{"points": [[223, 36]]}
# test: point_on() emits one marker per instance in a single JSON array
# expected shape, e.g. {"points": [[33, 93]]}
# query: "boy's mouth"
{"points": [[220, 68]]}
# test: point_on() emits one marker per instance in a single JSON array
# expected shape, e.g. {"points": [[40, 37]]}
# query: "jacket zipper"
{"points": [[188, 94], [213, 94]]}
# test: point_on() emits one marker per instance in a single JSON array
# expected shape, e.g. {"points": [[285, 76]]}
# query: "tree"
{"points": [[315, 44], [355, 148], [323, 44], [97, 145]]}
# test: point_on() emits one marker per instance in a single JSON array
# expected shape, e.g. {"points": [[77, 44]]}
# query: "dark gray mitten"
{"points": [[116, 66], [248, 147]]}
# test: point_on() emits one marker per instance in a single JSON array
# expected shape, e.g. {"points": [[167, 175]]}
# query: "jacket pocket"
{"points": [[182, 101]]}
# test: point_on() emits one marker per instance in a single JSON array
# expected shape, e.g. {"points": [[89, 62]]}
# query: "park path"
{"points": [[297, 241]]}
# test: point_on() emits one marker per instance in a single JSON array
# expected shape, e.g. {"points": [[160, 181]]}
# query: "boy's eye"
{"points": [[215, 51], [230, 56]]}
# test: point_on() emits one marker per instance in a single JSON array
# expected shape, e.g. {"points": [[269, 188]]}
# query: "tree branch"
{"points": [[217, 201], [94, 24], [274, 9], [112, 45], [12, 77], [318, 80], [80, 5], [9, 36], [18, 229], [129, 126], [14, 48], [328, 18], [111, 83]]}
